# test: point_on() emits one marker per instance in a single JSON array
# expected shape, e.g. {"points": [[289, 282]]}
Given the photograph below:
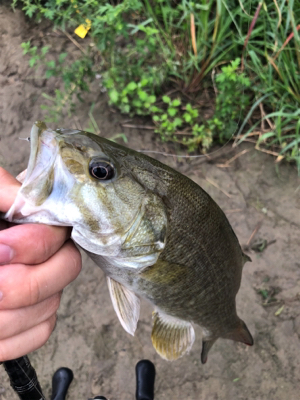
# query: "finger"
{"points": [[9, 187], [28, 341], [31, 243], [25, 285], [14, 322]]}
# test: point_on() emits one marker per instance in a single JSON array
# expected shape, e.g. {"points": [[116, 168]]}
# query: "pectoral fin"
{"points": [[126, 305], [171, 337]]}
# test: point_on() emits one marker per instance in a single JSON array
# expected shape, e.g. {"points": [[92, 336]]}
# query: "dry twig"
{"points": [[226, 164], [74, 41], [218, 187], [138, 126]]}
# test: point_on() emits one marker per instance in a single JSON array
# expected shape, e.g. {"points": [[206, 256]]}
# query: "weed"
{"points": [[75, 77], [148, 46], [133, 99]]}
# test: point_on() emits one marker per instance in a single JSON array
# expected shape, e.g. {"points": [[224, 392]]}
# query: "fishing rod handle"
{"points": [[145, 377], [23, 379]]}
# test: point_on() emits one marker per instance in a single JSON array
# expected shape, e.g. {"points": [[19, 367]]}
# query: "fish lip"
{"points": [[37, 147], [34, 140], [37, 129]]}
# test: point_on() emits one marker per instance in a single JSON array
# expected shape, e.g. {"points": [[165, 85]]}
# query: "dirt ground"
{"points": [[89, 338]]}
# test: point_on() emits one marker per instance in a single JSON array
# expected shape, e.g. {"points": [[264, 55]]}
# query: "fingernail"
{"points": [[6, 254]]}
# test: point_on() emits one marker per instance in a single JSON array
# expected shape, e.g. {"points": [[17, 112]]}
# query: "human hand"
{"points": [[36, 263]]}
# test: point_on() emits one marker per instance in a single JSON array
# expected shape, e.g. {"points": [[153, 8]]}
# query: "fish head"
{"points": [[78, 179]]}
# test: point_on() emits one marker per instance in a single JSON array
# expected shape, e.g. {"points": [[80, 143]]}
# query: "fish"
{"points": [[154, 232]]}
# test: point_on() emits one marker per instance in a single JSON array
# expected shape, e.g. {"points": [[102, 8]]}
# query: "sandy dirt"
{"points": [[89, 338]]}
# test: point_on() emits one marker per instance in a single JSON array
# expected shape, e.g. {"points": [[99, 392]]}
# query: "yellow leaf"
{"points": [[279, 158], [82, 30], [279, 311]]}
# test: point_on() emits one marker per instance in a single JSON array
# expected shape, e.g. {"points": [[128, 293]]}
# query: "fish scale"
{"points": [[155, 233]]}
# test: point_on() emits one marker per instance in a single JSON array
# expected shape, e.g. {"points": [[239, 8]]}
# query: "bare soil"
{"points": [[252, 192]]}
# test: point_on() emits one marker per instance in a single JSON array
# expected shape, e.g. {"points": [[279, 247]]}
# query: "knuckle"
{"points": [[48, 327], [4, 355], [45, 247], [74, 258], [3, 172], [54, 303], [33, 289], [52, 323]]}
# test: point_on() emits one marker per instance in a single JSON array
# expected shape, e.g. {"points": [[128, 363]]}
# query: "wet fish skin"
{"points": [[165, 240]]}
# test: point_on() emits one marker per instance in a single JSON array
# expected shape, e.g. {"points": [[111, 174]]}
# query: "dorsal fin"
{"points": [[171, 337], [126, 305]]}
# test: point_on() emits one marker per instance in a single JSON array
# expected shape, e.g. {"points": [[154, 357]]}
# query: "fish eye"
{"points": [[101, 170]]}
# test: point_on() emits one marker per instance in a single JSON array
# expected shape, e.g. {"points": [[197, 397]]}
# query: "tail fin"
{"points": [[240, 334], [206, 346], [246, 258]]}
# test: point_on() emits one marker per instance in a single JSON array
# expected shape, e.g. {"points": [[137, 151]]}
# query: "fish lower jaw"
{"points": [[15, 210]]}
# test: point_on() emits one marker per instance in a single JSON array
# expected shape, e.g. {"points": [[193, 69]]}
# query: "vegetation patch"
{"points": [[173, 60]]}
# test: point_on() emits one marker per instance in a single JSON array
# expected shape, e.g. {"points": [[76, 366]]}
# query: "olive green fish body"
{"points": [[154, 232]]}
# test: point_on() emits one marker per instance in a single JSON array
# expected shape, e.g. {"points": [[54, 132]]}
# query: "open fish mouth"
{"points": [[42, 151], [37, 180]]}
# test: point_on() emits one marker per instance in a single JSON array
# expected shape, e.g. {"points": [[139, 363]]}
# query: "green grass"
{"points": [[274, 62], [190, 48]]}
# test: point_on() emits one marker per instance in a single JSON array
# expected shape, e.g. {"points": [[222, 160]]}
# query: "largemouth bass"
{"points": [[155, 233]]}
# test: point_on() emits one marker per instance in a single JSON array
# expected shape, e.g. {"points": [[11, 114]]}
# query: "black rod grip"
{"points": [[23, 379], [145, 377], [61, 381]]}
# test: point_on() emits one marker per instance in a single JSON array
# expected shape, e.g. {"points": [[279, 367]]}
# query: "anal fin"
{"points": [[171, 337], [126, 305]]}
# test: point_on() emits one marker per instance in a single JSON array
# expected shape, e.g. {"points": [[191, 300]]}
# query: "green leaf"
{"points": [[172, 111], [30, 10], [187, 117], [126, 108], [131, 86], [176, 102], [49, 13], [109, 83], [51, 64], [44, 50], [166, 99], [144, 82], [49, 73], [25, 46], [32, 61], [137, 103], [114, 95], [155, 109], [143, 95], [177, 121], [61, 57], [152, 99]]}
